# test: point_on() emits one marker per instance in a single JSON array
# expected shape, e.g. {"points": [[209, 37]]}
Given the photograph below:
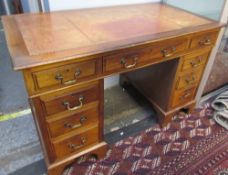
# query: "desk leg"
{"points": [[58, 167], [166, 117]]}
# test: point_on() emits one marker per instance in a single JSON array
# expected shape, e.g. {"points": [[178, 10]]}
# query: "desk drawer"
{"points": [[183, 96], [76, 143], [191, 62], [147, 55], [73, 122], [204, 39], [64, 75], [189, 79], [127, 60], [71, 99]]}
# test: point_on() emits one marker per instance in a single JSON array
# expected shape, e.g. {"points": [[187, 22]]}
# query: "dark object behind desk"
{"points": [[219, 73]]}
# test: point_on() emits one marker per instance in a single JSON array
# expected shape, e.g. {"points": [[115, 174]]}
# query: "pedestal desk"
{"points": [[65, 55]]}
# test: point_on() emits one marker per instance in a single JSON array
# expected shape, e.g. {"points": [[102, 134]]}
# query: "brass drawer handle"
{"points": [[190, 80], [185, 96], [67, 104], [197, 62], [60, 78], [205, 42], [124, 63], [74, 147], [168, 52], [70, 126]]}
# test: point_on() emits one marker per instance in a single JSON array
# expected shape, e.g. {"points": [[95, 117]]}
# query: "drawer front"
{"points": [[205, 39], [124, 61], [70, 100], [192, 62], [147, 55], [64, 75], [183, 96], [171, 47], [189, 79], [76, 143], [73, 122]]}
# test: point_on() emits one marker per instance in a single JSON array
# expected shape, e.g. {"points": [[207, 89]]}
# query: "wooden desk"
{"points": [[64, 57]]}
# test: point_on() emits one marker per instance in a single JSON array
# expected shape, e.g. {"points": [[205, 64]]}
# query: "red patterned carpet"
{"points": [[192, 144]]}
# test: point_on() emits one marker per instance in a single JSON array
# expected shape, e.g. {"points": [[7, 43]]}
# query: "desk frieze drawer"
{"points": [[64, 75], [148, 55], [71, 99], [76, 143], [73, 122], [122, 61], [204, 39]]}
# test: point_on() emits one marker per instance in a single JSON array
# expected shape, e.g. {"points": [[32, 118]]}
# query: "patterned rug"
{"points": [[191, 144]]}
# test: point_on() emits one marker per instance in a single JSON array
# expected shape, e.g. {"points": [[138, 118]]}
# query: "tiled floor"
{"points": [[19, 144], [123, 108]]}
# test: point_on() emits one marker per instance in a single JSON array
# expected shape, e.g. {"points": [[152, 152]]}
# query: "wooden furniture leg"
{"points": [[166, 117], [57, 168]]}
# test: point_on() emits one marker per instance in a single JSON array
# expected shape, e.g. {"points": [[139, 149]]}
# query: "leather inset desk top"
{"points": [[52, 37]]}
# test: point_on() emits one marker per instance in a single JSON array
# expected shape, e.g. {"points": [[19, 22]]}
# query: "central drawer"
{"points": [[149, 54]]}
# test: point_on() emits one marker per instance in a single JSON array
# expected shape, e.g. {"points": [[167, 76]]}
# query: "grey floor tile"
{"points": [[124, 107], [16, 133], [37, 168], [13, 96], [130, 130], [19, 144]]}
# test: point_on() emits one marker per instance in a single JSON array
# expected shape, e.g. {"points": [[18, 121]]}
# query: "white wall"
{"points": [[72, 4]]}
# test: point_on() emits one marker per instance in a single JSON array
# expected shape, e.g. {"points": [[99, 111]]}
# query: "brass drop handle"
{"points": [[205, 42], [197, 62], [67, 104], [190, 80], [60, 78], [78, 125], [169, 52], [124, 63], [186, 95], [74, 147]]}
